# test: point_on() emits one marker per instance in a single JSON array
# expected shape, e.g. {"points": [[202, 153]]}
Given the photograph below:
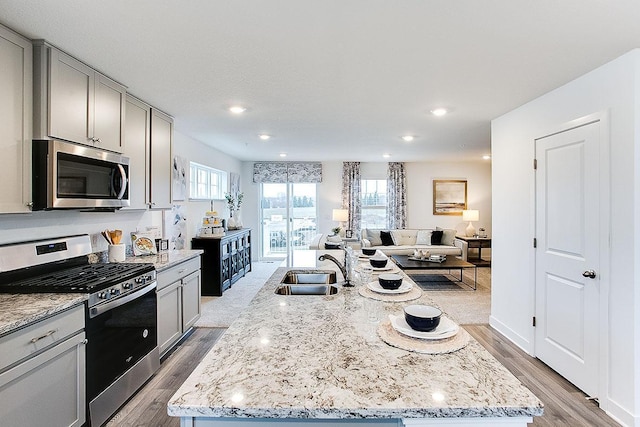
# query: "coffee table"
{"points": [[451, 263]]}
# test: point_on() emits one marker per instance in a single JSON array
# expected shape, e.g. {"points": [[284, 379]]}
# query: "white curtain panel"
{"points": [[351, 194], [396, 196]]}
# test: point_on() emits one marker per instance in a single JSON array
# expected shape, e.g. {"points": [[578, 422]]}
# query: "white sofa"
{"points": [[405, 242]]}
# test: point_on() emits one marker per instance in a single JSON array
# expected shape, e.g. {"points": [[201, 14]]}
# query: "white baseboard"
{"points": [[524, 344], [620, 414]]}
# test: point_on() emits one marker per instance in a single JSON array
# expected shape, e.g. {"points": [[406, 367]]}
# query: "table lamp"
{"points": [[340, 215], [470, 215]]}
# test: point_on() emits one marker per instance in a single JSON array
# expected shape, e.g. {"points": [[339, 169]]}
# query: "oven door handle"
{"points": [[98, 310]]}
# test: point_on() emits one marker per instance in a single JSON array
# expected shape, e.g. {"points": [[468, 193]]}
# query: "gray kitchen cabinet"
{"points": [[178, 302], [148, 140], [136, 147], [160, 164], [15, 121], [74, 102], [42, 372]]}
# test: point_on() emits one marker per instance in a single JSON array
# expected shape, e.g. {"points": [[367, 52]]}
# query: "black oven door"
{"points": [[120, 333]]}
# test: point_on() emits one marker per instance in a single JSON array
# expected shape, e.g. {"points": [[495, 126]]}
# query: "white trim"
{"points": [[469, 422], [520, 341]]}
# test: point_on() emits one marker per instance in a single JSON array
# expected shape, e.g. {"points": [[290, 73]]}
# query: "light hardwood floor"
{"points": [[565, 405]]}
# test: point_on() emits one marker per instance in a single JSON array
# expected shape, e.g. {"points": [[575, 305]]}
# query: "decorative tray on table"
{"points": [[432, 258]]}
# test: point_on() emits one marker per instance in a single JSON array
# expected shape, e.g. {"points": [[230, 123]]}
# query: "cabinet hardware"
{"points": [[36, 339]]}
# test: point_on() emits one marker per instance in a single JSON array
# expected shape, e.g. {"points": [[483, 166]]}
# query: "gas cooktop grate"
{"points": [[81, 279]]}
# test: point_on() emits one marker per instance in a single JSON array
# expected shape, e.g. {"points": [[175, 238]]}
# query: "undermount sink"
{"points": [[308, 282], [306, 290]]}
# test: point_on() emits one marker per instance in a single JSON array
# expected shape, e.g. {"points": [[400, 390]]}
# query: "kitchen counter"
{"points": [[19, 310], [310, 357], [168, 259]]}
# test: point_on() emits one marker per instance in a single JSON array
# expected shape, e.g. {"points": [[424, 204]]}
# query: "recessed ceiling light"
{"points": [[408, 138], [386, 155], [283, 154], [439, 112], [486, 157], [264, 136], [237, 109]]}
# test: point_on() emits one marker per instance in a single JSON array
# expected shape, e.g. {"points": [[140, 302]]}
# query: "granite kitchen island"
{"points": [[316, 359]]}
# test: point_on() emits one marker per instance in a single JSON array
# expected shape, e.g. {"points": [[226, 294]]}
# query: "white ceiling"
{"points": [[336, 79]]}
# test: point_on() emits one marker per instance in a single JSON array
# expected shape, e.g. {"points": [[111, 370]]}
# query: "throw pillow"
{"points": [[386, 238], [436, 237], [448, 236], [373, 237], [423, 237]]}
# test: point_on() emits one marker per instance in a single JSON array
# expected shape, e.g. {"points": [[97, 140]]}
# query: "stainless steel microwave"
{"points": [[71, 176]]}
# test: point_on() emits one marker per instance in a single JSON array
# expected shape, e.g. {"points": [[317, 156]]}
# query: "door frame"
{"points": [[604, 242]]}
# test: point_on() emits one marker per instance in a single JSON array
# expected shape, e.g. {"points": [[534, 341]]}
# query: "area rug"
{"points": [[438, 282], [220, 312], [467, 307]]}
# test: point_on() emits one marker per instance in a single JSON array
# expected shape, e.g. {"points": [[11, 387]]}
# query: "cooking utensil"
{"points": [[116, 236], [105, 234]]}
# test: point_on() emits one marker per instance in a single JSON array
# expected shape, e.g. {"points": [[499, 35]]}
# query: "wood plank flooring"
{"points": [[148, 408], [564, 404]]}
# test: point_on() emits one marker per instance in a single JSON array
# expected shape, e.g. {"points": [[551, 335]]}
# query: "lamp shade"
{"points": [[341, 215], [471, 215]]}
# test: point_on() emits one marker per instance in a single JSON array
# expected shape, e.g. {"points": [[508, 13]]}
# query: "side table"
{"points": [[477, 243]]}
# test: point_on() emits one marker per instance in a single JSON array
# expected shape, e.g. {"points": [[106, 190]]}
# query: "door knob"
{"points": [[591, 274]]}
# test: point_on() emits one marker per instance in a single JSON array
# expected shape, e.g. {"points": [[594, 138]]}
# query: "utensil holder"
{"points": [[117, 253]]}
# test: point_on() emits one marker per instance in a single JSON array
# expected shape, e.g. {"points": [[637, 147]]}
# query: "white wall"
{"points": [[611, 88], [196, 151]]}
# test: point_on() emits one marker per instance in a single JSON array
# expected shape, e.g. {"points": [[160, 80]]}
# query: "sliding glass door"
{"points": [[288, 217]]}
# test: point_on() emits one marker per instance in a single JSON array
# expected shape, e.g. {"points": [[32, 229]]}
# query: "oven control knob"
{"points": [[128, 285], [103, 295], [139, 280], [148, 278], [115, 292]]}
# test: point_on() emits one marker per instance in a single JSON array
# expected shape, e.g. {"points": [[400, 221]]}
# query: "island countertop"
{"points": [[318, 357]]}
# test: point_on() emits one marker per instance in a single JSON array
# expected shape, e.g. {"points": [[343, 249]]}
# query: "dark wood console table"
{"points": [[477, 243], [225, 260]]}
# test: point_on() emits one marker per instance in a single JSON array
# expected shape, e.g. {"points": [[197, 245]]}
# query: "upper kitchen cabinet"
{"points": [[74, 102], [148, 143], [161, 143], [15, 121], [137, 148]]}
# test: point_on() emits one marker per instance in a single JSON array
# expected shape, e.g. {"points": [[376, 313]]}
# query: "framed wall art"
{"points": [[449, 196]]}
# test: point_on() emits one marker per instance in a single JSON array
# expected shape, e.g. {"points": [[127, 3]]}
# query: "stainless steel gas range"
{"points": [[120, 316]]}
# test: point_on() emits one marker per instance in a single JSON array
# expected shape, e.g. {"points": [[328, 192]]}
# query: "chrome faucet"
{"points": [[344, 269]]}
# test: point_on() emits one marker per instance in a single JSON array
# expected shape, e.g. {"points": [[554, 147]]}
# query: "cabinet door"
{"points": [[15, 121], [108, 114], [161, 140], [71, 98], [48, 389], [190, 300], [137, 126], [169, 316]]}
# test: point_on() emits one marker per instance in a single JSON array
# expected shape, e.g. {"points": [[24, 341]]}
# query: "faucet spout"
{"points": [[344, 269]]}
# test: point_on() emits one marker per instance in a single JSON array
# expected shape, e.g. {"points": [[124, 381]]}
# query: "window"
{"points": [[206, 183], [374, 203]]}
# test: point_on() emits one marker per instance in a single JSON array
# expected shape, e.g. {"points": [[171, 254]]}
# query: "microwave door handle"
{"points": [[123, 182]]}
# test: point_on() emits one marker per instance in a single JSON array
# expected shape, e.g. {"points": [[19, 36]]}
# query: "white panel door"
{"points": [[567, 232]]}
